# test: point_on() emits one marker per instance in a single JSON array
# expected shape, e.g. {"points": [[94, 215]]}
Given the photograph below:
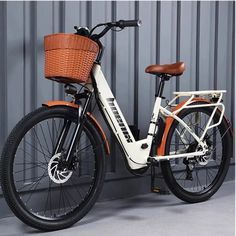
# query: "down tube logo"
{"points": [[119, 119]]}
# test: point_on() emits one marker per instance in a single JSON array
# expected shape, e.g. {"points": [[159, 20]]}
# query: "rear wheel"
{"points": [[36, 184], [197, 178]]}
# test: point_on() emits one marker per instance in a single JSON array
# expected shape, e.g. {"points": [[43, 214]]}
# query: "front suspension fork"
{"points": [[77, 132]]}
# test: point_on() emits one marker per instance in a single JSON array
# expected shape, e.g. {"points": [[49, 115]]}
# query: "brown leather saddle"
{"points": [[167, 70]]}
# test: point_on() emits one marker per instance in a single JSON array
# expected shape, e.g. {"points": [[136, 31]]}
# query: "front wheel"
{"points": [[37, 186], [197, 178]]}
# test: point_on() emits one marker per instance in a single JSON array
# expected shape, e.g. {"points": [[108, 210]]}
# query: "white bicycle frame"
{"points": [[137, 156]]}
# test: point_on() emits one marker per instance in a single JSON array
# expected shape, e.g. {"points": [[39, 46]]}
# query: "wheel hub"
{"points": [[201, 160], [57, 173]]}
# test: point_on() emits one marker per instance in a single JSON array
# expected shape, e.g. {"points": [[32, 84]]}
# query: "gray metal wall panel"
{"points": [[224, 56], [124, 72], [206, 66], [147, 56], [103, 10], [188, 45], [168, 39], [44, 27], [201, 34], [3, 73], [15, 81], [103, 14], [125, 62]]}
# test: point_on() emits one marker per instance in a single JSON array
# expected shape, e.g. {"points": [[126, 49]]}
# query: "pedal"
{"points": [[156, 190], [161, 188]]}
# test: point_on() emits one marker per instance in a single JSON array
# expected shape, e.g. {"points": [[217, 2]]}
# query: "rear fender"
{"points": [[169, 121], [90, 116]]}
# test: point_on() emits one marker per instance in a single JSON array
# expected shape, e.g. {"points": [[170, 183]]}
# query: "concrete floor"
{"points": [[148, 214]]}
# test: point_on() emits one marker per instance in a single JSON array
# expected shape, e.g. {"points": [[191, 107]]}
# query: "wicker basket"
{"points": [[68, 57]]}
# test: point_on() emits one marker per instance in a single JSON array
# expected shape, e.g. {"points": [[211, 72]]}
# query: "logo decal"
{"points": [[119, 119]]}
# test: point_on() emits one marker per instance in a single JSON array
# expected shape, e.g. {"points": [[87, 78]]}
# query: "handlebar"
{"points": [[109, 25], [128, 23]]}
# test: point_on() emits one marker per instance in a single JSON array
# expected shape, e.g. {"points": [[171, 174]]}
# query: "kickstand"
{"points": [[153, 173]]}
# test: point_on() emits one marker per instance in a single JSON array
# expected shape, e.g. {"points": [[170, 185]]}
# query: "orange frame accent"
{"points": [[169, 121], [91, 118]]}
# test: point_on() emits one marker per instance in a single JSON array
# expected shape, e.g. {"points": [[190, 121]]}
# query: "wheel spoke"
{"points": [[60, 193], [30, 168], [37, 149], [205, 170]]}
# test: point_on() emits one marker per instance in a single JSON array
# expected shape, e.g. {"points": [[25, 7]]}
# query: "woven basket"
{"points": [[68, 57]]}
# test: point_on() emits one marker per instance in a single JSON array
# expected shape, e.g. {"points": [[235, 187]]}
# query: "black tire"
{"points": [[176, 173], [74, 203]]}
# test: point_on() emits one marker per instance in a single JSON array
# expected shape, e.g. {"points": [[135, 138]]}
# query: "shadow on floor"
{"points": [[103, 210]]}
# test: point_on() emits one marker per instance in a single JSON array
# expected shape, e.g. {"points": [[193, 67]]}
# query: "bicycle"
{"points": [[54, 160]]}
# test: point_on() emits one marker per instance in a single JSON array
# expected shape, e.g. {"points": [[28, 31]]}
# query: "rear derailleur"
{"points": [[190, 165]]}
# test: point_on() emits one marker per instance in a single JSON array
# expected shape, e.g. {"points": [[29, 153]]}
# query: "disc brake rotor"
{"points": [[58, 175]]}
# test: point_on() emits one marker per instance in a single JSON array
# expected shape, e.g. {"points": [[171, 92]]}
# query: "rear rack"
{"points": [[215, 97], [212, 94], [204, 92]]}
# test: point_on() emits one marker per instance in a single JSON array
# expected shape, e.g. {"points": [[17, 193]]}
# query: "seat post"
{"points": [[160, 88]]}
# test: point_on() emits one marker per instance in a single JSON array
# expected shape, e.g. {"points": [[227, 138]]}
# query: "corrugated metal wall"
{"points": [[199, 33]]}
